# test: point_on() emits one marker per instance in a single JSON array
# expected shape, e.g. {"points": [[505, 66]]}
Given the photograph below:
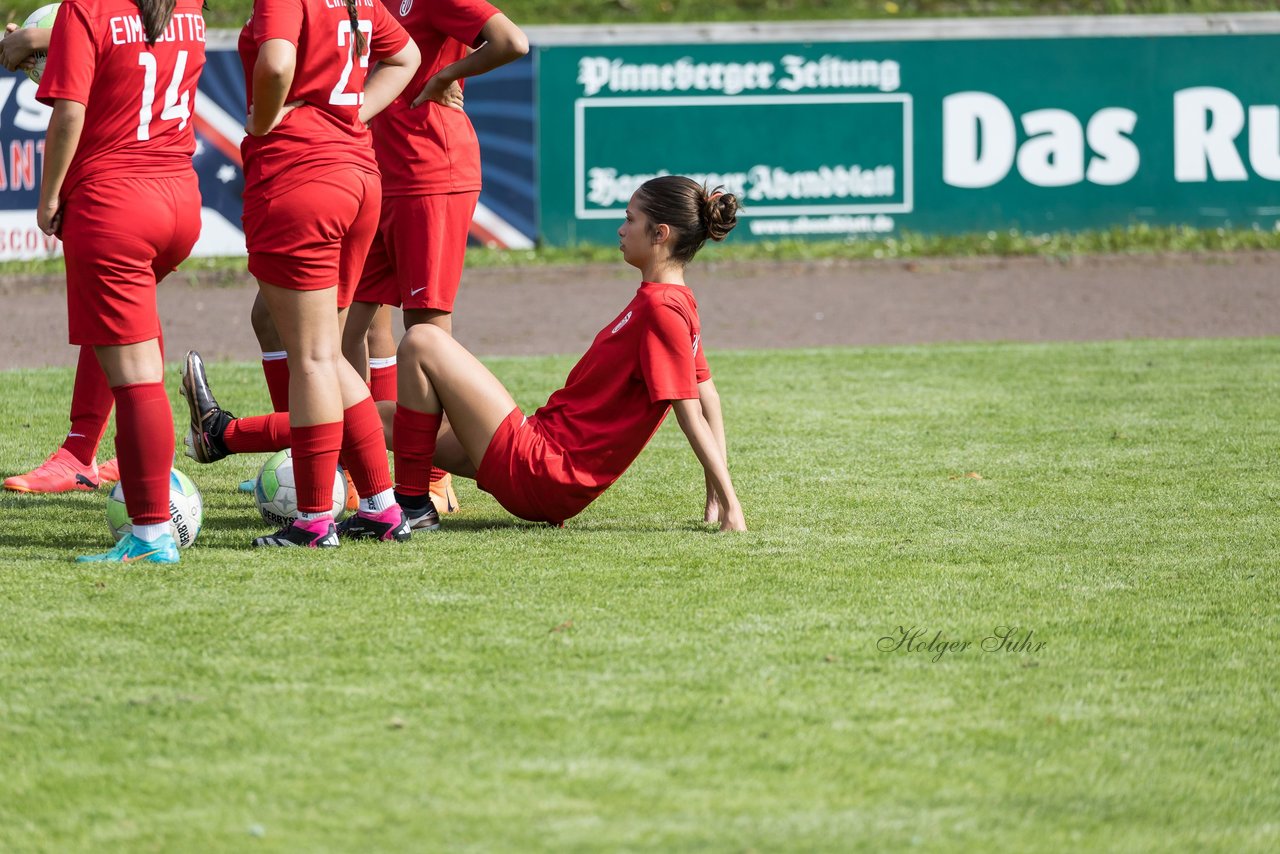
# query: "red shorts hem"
{"points": [[90, 340]]}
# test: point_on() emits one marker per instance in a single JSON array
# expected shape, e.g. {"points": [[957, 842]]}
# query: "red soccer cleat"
{"points": [[62, 472], [109, 472]]}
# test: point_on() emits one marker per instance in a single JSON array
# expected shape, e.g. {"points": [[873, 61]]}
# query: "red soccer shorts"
{"points": [[527, 475], [314, 236], [122, 236], [417, 260]]}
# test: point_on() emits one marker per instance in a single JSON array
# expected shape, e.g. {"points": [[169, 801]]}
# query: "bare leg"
{"points": [[381, 337], [264, 328], [306, 321], [451, 456], [439, 374], [132, 363], [415, 316], [360, 318]]}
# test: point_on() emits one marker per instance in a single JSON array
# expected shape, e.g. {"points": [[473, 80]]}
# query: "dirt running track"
{"points": [[820, 304]]}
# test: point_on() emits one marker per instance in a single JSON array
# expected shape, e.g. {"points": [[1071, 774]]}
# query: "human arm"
{"points": [[500, 41], [272, 77], [385, 83], [18, 45], [60, 143], [710, 400], [707, 448]]}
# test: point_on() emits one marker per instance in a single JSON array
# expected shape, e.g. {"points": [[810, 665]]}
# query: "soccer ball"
{"points": [[276, 494], [186, 510], [40, 19]]}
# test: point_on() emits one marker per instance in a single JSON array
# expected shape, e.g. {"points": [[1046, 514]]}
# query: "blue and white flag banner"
{"points": [[500, 105]]}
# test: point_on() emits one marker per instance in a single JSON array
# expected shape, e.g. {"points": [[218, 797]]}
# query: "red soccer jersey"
{"points": [[138, 98], [431, 149], [620, 391], [325, 134]]}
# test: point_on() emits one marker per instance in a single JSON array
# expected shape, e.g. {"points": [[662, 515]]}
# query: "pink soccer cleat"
{"points": [[62, 472]]}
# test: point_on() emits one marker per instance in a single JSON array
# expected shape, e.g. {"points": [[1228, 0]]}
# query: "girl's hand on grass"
{"points": [[733, 520]]}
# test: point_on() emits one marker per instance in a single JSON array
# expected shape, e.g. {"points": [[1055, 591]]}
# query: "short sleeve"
{"points": [[389, 38], [701, 370], [460, 19], [667, 356], [73, 58], [277, 19]]}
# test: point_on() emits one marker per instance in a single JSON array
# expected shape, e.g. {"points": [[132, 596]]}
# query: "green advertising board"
{"points": [[838, 135]]}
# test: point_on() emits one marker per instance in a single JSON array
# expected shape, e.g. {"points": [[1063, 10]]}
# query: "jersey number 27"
{"points": [[339, 96]]}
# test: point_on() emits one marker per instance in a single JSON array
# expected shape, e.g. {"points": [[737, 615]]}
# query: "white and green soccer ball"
{"points": [[276, 493], [40, 19], [186, 510]]}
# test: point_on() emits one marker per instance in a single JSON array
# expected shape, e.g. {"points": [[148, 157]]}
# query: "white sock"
{"points": [[150, 533], [379, 502], [382, 363], [274, 355], [314, 517]]}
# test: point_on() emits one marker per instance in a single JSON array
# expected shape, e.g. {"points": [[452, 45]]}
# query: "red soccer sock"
{"points": [[414, 440], [438, 474], [364, 451], [383, 379], [315, 462], [91, 402], [258, 434], [144, 446], [276, 370]]}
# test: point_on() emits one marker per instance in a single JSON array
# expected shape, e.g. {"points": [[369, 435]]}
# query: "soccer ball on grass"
{"points": [[186, 510], [276, 493]]}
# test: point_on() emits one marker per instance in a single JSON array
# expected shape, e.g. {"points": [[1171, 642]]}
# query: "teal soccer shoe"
{"points": [[133, 550]]}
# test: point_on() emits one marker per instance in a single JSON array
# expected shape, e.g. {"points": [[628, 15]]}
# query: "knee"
{"points": [[420, 343], [310, 361]]}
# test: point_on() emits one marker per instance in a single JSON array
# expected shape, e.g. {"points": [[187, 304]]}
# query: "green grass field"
{"points": [[634, 682]]}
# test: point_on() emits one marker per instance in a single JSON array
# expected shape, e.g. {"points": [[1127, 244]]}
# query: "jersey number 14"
{"points": [[176, 105]]}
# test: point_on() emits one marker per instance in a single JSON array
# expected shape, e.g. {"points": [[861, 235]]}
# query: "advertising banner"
{"points": [[837, 136], [218, 116], [500, 105]]}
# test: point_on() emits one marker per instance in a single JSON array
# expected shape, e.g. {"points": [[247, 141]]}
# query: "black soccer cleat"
{"points": [[295, 536], [390, 524], [420, 511], [208, 420]]}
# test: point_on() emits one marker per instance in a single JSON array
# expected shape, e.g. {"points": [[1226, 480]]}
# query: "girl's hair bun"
{"points": [[720, 209]]}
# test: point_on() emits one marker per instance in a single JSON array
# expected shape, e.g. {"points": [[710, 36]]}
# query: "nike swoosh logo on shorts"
{"points": [[416, 291]]}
